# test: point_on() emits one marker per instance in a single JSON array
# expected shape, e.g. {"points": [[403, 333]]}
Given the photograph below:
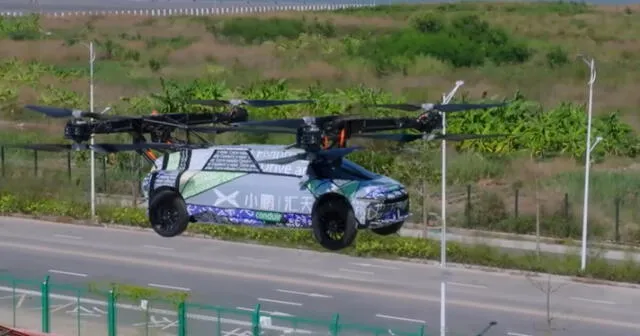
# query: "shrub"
{"points": [[465, 41], [256, 30]]}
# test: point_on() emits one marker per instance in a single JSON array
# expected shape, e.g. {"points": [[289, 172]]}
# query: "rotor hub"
{"points": [[78, 131], [431, 120], [310, 138]]}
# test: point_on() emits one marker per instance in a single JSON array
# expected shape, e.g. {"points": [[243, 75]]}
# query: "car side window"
{"points": [[232, 161]]}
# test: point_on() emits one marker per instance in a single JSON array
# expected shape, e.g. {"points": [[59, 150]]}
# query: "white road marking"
{"points": [[356, 271], [167, 312], [82, 275], [255, 259], [22, 298], [169, 287], [466, 285], [592, 300], [400, 318], [280, 302], [305, 294], [158, 247], [68, 236], [516, 334], [374, 266], [274, 313]]}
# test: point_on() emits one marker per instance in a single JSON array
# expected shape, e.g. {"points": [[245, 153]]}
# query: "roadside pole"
{"points": [[443, 238]]}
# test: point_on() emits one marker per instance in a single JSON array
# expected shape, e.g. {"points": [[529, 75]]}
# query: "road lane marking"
{"points": [[82, 275], [280, 302], [68, 236], [184, 289], [461, 284], [592, 300], [158, 247], [200, 317], [355, 271], [509, 333], [375, 266], [274, 313], [305, 294], [255, 259], [280, 280], [406, 319]]}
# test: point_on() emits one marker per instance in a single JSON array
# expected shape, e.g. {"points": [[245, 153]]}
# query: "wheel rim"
{"points": [[167, 218], [334, 224]]}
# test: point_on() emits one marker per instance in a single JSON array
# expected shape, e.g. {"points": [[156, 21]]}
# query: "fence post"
{"points": [[421, 332], [69, 165], [13, 289], [566, 205], [46, 314], [468, 207], [35, 162], [517, 202], [104, 173], [182, 319], [617, 219], [111, 313], [2, 158], [256, 321], [335, 326]]}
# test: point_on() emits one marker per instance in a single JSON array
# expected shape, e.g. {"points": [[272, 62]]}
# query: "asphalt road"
{"points": [[398, 295]]}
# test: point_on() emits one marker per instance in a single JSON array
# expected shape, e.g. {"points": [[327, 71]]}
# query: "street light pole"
{"points": [[587, 165], [443, 238], [92, 58]]}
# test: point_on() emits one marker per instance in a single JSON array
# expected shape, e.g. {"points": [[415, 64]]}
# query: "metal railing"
{"points": [[68, 310]]}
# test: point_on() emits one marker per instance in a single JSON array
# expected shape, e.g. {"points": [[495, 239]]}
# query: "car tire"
{"points": [[334, 216], [388, 230], [168, 213]]}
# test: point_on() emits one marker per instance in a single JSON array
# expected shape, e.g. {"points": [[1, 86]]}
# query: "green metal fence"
{"points": [[70, 310]]}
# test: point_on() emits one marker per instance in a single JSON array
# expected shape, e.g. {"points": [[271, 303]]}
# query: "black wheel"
{"points": [[388, 230], [334, 224], [168, 213]]}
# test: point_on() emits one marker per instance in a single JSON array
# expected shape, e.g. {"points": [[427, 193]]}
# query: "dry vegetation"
{"points": [[135, 51]]}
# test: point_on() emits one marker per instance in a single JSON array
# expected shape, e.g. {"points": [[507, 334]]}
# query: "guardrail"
{"points": [[73, 310], [202, 11]]}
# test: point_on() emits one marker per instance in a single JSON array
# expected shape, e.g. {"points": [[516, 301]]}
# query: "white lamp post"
{"points": [[443, 238], [587, 165]]}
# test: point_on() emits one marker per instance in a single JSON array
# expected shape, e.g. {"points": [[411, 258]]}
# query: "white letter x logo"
{"points": [[231, 199]]}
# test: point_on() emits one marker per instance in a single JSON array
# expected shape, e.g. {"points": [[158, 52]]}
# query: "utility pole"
{"points": [[587, 166], [443, 238], [92, 58]]}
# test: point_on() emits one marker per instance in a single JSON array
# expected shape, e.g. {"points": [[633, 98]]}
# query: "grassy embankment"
{"points": [[397, 53]]}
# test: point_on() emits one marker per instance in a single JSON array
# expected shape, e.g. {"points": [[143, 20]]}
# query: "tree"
{"points": [[546, 287]]}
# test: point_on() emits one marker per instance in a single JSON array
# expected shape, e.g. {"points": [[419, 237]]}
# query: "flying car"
{"points": [[309, 184]]}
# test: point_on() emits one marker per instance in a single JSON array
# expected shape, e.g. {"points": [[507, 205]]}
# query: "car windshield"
{"points": [[354, 169]]}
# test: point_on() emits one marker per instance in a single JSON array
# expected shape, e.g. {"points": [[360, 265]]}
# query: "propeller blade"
{"points": [[285, 160], [463, 137], [329, 154], [113, 148], [429, 137], [248, 102], [289, 123], [45, 147], [390, 136], [60, 112], [465, 107], [335, 153], [216, 130], [403, 107], [438, 107]]}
